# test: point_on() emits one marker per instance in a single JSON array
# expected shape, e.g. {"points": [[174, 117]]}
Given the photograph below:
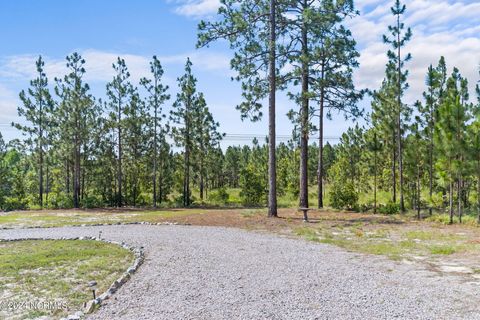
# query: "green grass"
{"points": [[444, 249], [468, 219], [389, 242], [57, 270]]}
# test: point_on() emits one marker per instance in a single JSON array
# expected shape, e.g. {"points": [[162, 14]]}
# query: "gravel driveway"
{"points": [[218, 273]]}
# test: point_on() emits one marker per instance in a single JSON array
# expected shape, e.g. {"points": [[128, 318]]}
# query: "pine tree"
{"points": [[435, 81], [384, 121], [322, 53], [182, 114], [450, 135], [37, 110], [334, 89], [135, 145], [374, 146], [118, 92], [207, 138], [75, 116], [395, 68], [253, 29], [157, 97]]}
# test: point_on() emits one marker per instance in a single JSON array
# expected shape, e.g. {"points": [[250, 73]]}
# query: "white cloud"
{"points": [[8, 105], [448, 28], [99, 64], [197, 8]]}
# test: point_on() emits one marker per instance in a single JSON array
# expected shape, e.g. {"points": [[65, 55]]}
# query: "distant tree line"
{"points": [[80, 151]]}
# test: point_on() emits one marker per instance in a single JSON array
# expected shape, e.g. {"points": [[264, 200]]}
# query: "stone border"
{"points": [[100, 224], [90, 305]]}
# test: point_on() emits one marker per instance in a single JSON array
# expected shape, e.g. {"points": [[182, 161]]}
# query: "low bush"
{"points": [[219, 196], [344, 196], [14, 203], [389, 208]]}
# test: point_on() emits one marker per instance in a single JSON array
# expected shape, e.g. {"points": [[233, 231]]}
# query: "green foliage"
{"points": [[343, 195], [219, 196], [14, 203], [92, 201], [253, 187], [60, 200], [389, 208]]}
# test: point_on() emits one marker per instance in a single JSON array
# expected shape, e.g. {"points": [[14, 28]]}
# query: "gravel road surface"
{"points": [[219, 273]]}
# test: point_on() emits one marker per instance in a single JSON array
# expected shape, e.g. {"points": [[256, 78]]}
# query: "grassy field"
{"points": [[55, 272]]}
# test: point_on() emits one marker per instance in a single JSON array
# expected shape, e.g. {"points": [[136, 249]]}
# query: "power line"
{"points": [[230, 136]]}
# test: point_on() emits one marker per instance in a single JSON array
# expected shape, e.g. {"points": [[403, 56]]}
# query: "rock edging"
{"points": [[99, 225]]}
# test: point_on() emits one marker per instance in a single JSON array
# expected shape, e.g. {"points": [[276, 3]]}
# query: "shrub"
{"points": [[59, 200], [343, 196], [219, 196], [14, 203], [91, 202], [253, 191], [389, 208]]}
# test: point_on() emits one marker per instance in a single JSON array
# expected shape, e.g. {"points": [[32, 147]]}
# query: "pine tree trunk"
{"points": [[394, 173], [430, 191], [418, 193], [450, 200], [375, 179], [76, 178], [47, 184], [67, 182], [155, 150], [399, 120], [320, 145], [272, 162], [119, 173], [304, 122], [459, 200], [201, 181], [478, 196], [40, 178]]}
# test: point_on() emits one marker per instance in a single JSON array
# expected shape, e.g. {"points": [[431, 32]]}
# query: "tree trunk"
{"points": [[119, 173], [272, 161], [478, 196], [76, 178], [394, 173], [399, 120], [320, 144], [430, 191], [155, 149], [47, 184], [375, 178], [67, 182], [418, 200], [450, 200], [459, 200], [201, 181], [304, 122]]}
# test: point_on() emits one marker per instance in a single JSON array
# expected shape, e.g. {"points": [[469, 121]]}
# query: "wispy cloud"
{"points": [[8, 105], [99, 64], [197, 8], [448, 28]]}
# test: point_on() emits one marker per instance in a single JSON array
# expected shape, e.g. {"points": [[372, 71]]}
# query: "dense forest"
{"points": [[140, 146]]}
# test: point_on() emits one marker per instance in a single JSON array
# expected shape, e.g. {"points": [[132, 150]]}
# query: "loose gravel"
{"points": [[219, 273]]}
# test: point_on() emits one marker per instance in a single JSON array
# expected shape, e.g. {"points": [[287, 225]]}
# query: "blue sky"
{"points": [[136, 30]]}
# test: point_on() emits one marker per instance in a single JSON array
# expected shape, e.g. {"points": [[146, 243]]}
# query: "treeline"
{"points": [[80, 151], [440, 148]]}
